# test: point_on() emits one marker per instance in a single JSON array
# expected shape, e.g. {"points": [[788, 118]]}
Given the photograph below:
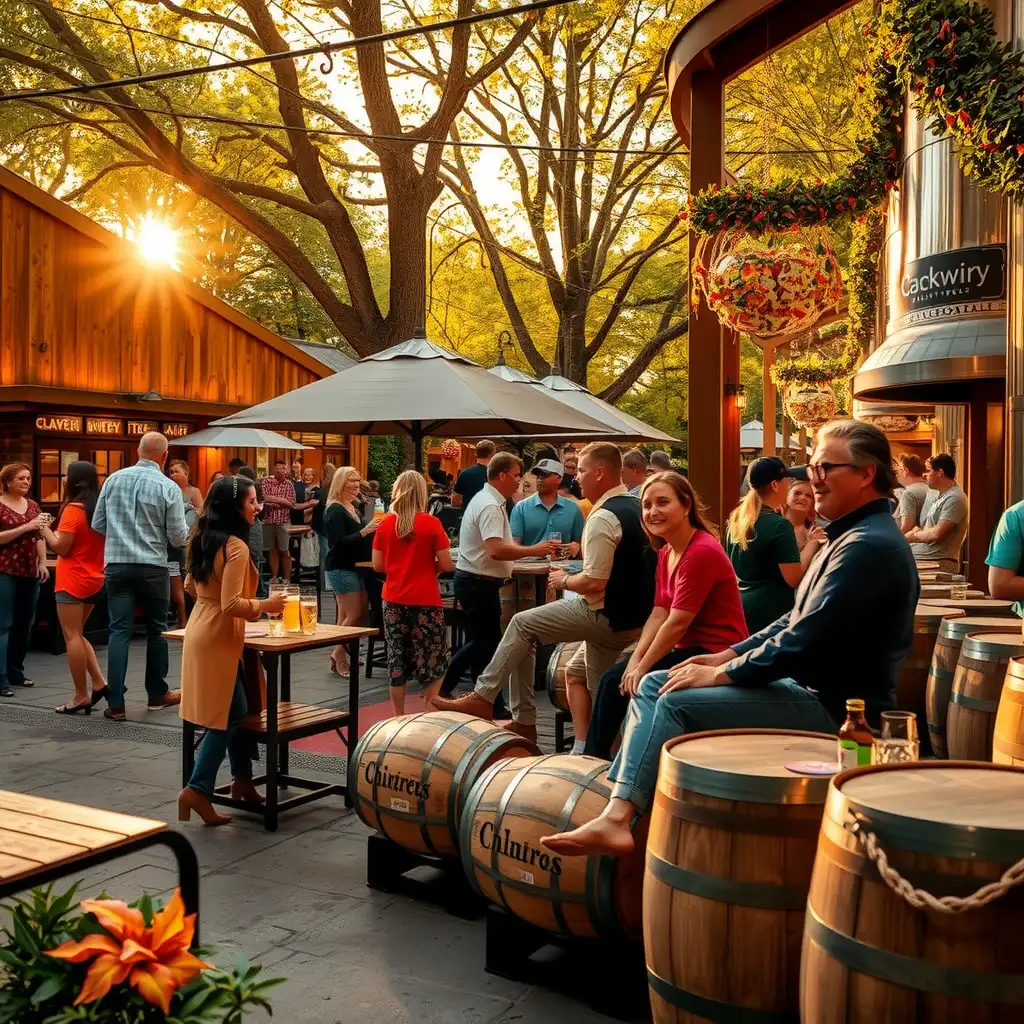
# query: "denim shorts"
{"points": [[344, 581], [63, 597]]}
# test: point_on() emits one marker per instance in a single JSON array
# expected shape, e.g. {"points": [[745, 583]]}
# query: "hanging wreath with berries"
{"points": [[451, 451]]}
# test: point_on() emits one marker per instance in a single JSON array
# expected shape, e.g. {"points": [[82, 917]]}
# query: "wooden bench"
{"points": [[42, 840]]}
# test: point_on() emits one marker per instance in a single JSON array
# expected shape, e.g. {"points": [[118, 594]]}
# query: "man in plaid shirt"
{"points": [[141, 513], [278, 502]]}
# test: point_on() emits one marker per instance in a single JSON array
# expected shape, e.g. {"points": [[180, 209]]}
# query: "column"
{"points": [[1014, 474], [768, 401], [705, 338]]}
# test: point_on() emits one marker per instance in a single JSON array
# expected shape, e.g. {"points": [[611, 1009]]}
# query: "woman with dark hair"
{"points": [[22, 569], [222, 579], [79, 584], [697, 608]]}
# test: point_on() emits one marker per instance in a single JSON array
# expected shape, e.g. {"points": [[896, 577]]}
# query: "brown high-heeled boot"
{"points": [[243, 789], [189, 800]]}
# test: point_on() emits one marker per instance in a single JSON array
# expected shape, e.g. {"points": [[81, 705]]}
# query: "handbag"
{"points": [[309, 551]]}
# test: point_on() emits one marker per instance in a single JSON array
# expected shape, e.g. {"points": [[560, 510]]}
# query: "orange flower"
{"points": [[154, 960]]}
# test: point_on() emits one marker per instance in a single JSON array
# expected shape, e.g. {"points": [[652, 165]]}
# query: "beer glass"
{"points": [[556, 536], [959, 588], [291, 615], [308, 609], [898, 742], [275, 625]]}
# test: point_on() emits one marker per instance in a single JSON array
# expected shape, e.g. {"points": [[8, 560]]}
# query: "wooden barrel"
{"points": [[976, 605], [413, 775], [912, 674], [943, 668], [1008, 738], [927, 566], [942, 591], [513, 805], [556, 673], [516, 596], [869, 956], [974, 699], [729, 859]]}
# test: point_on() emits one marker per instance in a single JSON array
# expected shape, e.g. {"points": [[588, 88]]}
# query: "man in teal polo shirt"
{"points": [[547, 512], [1005, 559]]}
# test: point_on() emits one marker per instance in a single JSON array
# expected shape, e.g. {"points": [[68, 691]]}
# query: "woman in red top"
{"points": [[22, 569], [410, 547], [79, 583], [697, 607]]}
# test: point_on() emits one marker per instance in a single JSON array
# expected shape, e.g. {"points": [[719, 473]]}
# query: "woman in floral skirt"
{"points": [[410, 547]]}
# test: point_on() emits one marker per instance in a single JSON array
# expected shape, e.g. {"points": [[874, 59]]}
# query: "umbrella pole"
{"points": [[417, 446]]}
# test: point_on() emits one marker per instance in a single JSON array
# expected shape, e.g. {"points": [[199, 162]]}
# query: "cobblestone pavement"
{"points": [[294, 900]]}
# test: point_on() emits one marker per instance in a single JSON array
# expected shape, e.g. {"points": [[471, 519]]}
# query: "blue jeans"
{"points": [[18, 596], [654, 720], [218, 742], [149, 586]]}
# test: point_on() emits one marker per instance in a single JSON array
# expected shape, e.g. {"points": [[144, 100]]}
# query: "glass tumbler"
{"points": [[899, 741], [308, 609]]}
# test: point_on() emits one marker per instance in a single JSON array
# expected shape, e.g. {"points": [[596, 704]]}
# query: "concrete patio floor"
{"points": [[294, 900]]}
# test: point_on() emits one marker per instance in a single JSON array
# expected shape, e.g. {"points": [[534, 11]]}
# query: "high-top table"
{"points": [[284, 720]]}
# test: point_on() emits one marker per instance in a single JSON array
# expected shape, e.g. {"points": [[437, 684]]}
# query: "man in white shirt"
{"points": [[617, 587], [944, 517], [484, 562]]}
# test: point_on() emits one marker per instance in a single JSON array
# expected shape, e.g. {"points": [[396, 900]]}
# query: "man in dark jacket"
{"points": [[850, 627]]}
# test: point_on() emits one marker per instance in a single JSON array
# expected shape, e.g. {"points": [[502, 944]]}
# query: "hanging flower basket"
{"points": [[811, 405], [451, 451], [755, 287]]}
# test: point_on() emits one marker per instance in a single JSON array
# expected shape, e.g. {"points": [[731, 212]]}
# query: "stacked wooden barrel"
{"points": [[943, 668], [560, 657], [517, 802], [414, 773], [729, 858], [975, 605], [1008, 737], [871, 953], [974, 698], [912, 675]]}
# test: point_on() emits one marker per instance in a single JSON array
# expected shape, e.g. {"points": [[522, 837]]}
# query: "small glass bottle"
{"points": [[855, 737]]}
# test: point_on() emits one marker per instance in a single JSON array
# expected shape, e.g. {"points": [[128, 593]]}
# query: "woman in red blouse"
{"points": [[22, 568], [79, 583]]}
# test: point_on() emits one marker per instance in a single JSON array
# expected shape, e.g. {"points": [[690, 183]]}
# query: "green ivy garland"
{"points": [[968, 83]]}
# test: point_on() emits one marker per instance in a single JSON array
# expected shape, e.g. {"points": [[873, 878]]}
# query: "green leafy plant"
{"points": [[60, 962]]}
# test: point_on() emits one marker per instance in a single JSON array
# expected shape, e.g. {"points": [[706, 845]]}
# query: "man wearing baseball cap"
{"points": [[536, 518], [761, 543]]}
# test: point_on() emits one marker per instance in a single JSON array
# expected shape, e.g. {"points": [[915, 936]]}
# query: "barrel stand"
{"points": [[609, 975], [562, 742], [387, 870]]}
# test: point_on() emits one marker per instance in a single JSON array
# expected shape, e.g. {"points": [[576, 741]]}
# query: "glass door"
{"points": [[107, 461]]}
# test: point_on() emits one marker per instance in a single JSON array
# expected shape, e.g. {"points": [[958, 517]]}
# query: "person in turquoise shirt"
{"points": [[1005, 558], [546, 512]]}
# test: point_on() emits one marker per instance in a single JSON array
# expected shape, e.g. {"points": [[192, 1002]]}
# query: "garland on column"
{"points": [[968, 83]]}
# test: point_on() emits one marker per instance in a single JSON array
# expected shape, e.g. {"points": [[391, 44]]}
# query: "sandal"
{"points": [[73, 709], [98, 695]]}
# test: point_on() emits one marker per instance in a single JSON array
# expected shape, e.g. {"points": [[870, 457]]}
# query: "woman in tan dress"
{"points": [[213, 680]]}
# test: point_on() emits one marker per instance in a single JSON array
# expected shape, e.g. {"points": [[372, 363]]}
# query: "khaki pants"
{"points": [[515, 658]]}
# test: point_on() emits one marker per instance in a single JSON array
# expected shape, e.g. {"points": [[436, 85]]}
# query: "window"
{"points": [[107, 462]]}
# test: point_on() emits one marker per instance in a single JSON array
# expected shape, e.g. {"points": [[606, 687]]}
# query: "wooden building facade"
{"points": [[97, 347]]}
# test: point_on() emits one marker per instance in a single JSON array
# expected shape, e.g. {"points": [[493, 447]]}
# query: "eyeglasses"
{"points": [[819, 470]]}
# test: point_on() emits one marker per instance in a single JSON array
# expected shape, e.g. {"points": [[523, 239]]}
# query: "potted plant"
{"points": [[107, 962]]}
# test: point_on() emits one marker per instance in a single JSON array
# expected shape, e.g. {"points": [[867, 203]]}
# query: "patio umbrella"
{"points": [[237, 437], [618, 425], [510, 373], [418, 388]]}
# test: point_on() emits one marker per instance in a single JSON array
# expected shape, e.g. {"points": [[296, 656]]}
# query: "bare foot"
{"points": [[603, 835]]}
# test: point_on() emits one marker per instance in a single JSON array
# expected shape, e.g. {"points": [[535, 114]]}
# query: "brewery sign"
{"points": [[104, 426], [59, 424], [136, 428], [959, 283], [173, 430]]}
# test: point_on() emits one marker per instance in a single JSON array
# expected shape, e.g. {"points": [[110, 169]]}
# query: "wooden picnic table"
{"points": [[42, 840], [284, 720]]}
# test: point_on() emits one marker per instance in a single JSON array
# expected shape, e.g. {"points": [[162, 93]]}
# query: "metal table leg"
{"points": [[270, 807], [352, 730], [286, 695]]}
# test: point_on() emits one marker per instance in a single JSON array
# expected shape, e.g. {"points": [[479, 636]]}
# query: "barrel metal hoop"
{"points": [[428, 763], [756, 789], [733, 821], [1002, 846], [715, 1010], [910, 972], [974, 703], [763, 895], [942, 675], [1008, 747]]}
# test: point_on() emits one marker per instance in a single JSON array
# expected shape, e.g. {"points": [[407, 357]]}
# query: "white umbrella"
{"points": [[418, 388], [237, 437]]}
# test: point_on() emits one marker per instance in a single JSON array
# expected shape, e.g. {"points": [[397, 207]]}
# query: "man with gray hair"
{"points": [[661, 461], [140, 512]]}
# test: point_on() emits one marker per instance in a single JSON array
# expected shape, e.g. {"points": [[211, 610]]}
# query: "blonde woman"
{"points": [[348, 543], [761, 543], [411, 548]]}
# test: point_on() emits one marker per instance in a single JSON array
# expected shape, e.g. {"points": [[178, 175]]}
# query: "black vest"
{"points": [[629, 595]]}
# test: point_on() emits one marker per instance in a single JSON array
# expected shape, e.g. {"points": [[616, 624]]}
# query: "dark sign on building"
{"points": [[961, 282]]}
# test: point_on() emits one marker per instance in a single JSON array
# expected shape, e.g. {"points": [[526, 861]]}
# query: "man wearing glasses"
{"points": [[851, 624]]}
